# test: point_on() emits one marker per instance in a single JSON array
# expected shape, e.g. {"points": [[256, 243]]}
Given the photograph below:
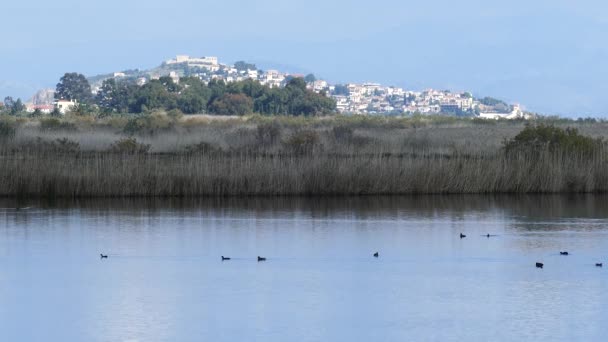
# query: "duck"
{"points": [[539, 265], [261, 259], [462, 236], [225, 258], [103, 256], [599, 264], [376, 255], [564, 253]]}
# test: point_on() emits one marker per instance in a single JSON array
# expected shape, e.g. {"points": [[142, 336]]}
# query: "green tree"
{"points": [[310, 78], [217, 88], [9, 102], [302, 101], [36, 113], [13, 106], [153, 95], [115, 96], [232, 104], [341, 89], [195, 96], [169, 84], [243, 66], [490, 101], [73, 86]]}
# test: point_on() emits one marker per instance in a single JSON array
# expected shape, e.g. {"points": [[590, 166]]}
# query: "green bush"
{"points": [[202, 148], [7, 131], [342, 133], [536, 138], [55, 124], [268, 133], [150, 124], [129, 146], [303, 142], [62, 146]]}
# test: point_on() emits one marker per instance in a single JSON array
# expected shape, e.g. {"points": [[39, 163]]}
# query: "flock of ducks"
{"points": [[377, 254], [538, 264]]}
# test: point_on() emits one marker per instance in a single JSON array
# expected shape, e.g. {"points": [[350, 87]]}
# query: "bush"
{"points": [[202, 148], [175, 114], [149, 123], [65, 145], [134, 126], [342, 133], [55, 124], [536, 138], [60, 146], [303, 142], [7, 131], [268, 134], [129, 146]]}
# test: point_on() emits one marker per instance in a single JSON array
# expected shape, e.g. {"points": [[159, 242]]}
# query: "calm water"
{"points": [[164, 281]]}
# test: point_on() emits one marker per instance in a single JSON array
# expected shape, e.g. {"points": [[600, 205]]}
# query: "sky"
{"points": [[549, 56]]}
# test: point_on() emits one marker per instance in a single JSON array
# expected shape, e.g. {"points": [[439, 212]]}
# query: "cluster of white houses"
{"points": [[366, 98]]}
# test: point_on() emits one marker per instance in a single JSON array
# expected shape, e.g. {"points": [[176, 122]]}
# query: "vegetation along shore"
{"points": [[168, 154]]}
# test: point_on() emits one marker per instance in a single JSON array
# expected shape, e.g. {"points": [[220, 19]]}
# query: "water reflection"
{"points": [[164, 279], [529, 207]]}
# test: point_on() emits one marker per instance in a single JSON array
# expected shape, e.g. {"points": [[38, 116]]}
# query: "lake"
{"points": [[164, 279]]}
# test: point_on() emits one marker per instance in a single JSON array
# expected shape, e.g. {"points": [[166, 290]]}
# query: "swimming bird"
{"points": [[462, 236], [261, 259], [225, 258], [376, 255], [564, 253], [599, 264], [539, 265], [103, 256]]}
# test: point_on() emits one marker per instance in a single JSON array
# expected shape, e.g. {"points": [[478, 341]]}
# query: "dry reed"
{"points": [[267, 157]]}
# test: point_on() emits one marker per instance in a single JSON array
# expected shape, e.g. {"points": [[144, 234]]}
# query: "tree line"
{"points": [[192, 96]]}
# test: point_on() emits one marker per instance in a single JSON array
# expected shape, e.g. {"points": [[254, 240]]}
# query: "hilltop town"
{"points": [[350, 98]]}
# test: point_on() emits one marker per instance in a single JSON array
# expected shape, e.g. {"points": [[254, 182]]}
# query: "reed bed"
{"points": [[272, 158], [110, 175]]}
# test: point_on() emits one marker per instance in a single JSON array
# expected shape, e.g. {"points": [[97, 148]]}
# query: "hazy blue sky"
{"points": [[549, 55]]}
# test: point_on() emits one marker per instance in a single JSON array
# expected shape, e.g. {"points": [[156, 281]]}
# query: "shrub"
{"points": [[60, 146], [36, 113], [268, 133], [55, 124], [175, 114], [202, 148], [7, 131], [129, 146], [149, 123], [303, 142], [133, 126], [536, 138], [65, 145], [342, 133]]}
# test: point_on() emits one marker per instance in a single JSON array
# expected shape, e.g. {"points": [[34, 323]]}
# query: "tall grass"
{"points": [[265, 156]]}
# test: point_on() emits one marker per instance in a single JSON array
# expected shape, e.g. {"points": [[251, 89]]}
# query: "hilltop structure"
{"points": [[351, 98]]}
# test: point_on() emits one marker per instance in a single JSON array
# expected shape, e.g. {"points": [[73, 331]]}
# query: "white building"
{"points": [[516, 113], [272, 78], [44, 109], [64, 106], [210, 63]]}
